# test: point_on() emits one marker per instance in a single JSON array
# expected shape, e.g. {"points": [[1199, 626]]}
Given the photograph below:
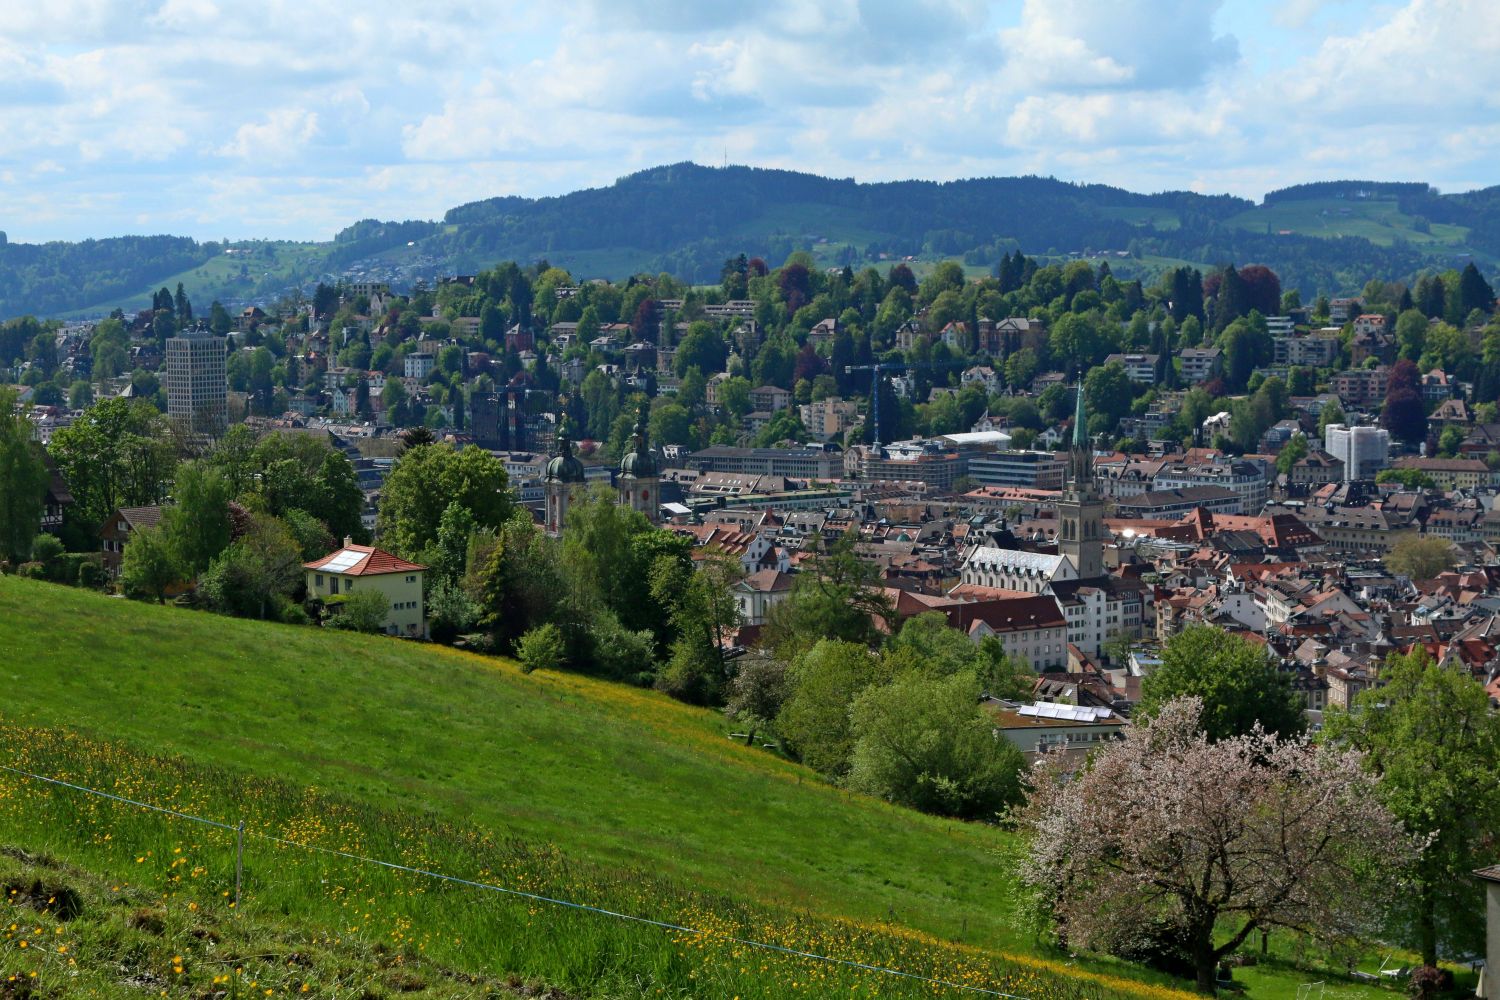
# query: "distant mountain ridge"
{"points": [[687, 218]]}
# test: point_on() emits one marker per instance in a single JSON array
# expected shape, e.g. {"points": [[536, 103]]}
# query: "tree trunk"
{"points": [[1427, 927], [750, 737], [1205, 959], [1206, 966]]}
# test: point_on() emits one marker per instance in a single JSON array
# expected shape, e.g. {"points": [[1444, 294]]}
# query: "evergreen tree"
{"points": [[23, 481], [1432, 297], [1187, 294], [183, 307], [1474, 292]]}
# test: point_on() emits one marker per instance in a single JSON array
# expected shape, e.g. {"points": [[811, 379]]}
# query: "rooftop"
{"points": [[361, 560]]}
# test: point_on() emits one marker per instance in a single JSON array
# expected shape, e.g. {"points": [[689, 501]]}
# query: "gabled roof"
{"points": [[768, 581], [140, 517], [361, 560]]}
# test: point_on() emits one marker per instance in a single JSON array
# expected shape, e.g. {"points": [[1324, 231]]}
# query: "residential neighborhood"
{"points": [[710, 492]]}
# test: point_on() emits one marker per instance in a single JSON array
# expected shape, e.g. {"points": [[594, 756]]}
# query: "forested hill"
{"points": [[686, 219], [665, 208]]}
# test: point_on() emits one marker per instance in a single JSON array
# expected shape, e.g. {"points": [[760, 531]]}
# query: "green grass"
{"points": [[1378, 220], [628, 786], [1163, 219], [90, 935], [612, 773], [219, 277]]}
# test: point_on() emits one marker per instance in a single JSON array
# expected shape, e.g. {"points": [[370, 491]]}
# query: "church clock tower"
{"points": [[1080, 512], [563, 477], [639, 481]]}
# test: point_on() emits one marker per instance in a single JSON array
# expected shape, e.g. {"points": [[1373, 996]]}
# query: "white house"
{"points": [[353, 569]]}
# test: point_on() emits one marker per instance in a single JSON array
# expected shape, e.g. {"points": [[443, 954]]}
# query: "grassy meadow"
{"points": [[554, 783], [1378, 220]]}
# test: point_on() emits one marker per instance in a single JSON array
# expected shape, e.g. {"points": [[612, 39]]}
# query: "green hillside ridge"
{"points": [[1378, 220], [624, 782], [686, 219]]}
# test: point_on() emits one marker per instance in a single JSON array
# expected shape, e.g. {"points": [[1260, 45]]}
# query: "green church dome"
{"points": [[639, 462], [564, 467]]}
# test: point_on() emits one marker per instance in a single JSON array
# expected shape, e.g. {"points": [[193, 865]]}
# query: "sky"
{"points": [[289, 119]]}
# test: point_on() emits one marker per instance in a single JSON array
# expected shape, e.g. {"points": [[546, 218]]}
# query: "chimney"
{"points": [[348, 541]]}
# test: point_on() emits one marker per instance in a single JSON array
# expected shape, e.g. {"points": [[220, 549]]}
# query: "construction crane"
{"points": [[890, 366]]}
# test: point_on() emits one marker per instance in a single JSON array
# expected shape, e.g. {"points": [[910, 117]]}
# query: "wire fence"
{"points": [[241, 833]]}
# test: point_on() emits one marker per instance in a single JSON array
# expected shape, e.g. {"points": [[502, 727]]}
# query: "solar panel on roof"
{"points": [[1070, 713], [343, 560]]}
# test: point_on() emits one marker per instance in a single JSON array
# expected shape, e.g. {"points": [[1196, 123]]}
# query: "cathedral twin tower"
{"points": [[638, 482]]}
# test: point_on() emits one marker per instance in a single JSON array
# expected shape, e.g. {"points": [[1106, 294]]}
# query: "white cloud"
{"points": [[293, 117], [277, 139]]}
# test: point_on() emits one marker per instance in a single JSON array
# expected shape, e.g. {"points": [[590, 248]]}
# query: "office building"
{"points": [[1363, 450], [195, 381]]}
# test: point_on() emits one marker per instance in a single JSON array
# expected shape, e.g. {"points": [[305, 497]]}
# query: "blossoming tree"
{"points": [[1211, 840]]}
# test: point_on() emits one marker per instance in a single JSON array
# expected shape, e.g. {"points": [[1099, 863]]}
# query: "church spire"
{"points": [[1081, 458], [1080, 435], [1080, 511]]}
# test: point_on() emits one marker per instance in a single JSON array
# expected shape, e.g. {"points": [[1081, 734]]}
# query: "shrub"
{"points": [[47, 550], [1428, 981], [450, 612], [364, 611], [83, 569], [541, 648], [618, 651], [689, 675], [289, 612]]}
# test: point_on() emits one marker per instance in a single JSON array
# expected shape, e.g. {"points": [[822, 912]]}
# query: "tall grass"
{"points": [[462, 927]]}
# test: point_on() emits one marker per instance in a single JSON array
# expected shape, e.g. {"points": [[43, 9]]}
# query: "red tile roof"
{"points": [[370, 561]]}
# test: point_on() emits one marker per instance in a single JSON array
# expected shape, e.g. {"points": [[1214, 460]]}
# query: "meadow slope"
{"points": [[608, 773], [614, 779]]}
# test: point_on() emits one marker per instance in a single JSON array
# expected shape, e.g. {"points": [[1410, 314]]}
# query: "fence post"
{"points": [[239, 864]]}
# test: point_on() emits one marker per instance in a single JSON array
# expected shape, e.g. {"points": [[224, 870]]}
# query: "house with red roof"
{"points": [[353, 569]]}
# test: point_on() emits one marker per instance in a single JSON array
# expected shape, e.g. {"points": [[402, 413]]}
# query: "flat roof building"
{"points": [[196, 383]]}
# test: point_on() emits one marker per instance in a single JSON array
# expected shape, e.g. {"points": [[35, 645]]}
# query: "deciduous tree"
{"points": [[1430, 737], [1238, 685], [149, 565], [924, 742], [118, 453], [197, 526], [426, 480], [1421, 558], [1212, 839], [824, 681]]}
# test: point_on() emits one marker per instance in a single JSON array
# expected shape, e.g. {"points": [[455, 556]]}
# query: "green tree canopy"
{"points": [[149, 566], [836, 597], [426, 480], [1294, 451], [197, 525], [23, 481], [1235, 678], [924, 742], [814, 721], [1433, 742], [118, 453], [1418, 558]]}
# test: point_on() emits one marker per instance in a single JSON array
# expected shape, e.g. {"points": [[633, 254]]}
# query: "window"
{"points": [[318, 580], [333, 585]]}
